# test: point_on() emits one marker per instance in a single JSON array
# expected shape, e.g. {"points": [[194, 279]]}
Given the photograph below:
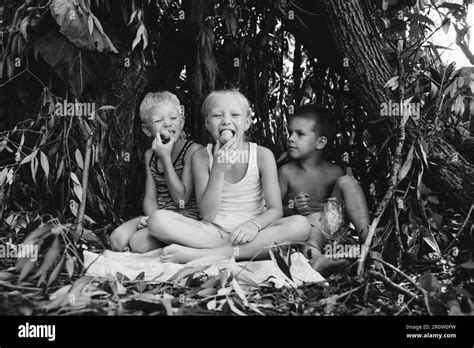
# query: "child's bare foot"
{"points": [[181, 254], [326, 266]]}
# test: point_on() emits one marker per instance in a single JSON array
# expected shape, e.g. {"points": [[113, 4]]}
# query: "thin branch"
{"points": [[394, 176], [392, 285], [85, 180]]}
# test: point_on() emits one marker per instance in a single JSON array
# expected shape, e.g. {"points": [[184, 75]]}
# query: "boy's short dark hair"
{"points": [[324, 121]]}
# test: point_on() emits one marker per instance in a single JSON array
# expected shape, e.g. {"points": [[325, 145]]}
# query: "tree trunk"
{"points": [[367, 72]]}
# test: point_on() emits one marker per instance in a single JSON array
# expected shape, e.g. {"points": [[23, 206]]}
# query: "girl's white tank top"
{"points": [[243, 200]]}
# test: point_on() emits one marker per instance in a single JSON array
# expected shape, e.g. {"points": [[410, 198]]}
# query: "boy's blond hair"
{"points": [[152, 100], [207, 102]]}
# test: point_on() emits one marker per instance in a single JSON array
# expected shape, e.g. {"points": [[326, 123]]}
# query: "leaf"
{"points": [[234, 308], [90, 24], [3, 176], [23, 25], [467, 265], [207, 292], [60, 292], [49, 258], [392, 83], [407, 165], [445, 25], [140, 276], [34, 168], [423, 149], [25, 269], [77, 27], [224, 291], [239, 291], [425, 281], [211, 305], [75, 67], [186, 272], [60, 170], [6, 275], [77, 186], [132, 17], [69, 265], [451, 6], [73, 206], [107, 107], [29, 157], [429, 239], [56, 272], [245, 280], [211, 282], [138, 36], [280, 263], [420, 18], [44, 163], [79, 160], [121, 277]]}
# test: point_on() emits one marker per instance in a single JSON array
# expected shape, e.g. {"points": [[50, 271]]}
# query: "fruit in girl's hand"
{"points": [[226, 135], [165, 136]]}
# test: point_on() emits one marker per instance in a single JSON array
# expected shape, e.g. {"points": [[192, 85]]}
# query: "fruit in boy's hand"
{"points": [[226, 135], [165, 136]]}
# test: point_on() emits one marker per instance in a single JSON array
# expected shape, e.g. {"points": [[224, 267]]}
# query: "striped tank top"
{"points": [[163, 196]]}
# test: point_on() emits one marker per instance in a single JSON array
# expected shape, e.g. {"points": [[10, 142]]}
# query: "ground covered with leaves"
{"points": [[56, 284]]}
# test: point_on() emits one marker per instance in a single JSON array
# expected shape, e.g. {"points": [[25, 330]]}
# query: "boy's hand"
{"points": [[225, 155], [304, 205], [301, 201], [163, 150], [142, 222], [243, 233]]}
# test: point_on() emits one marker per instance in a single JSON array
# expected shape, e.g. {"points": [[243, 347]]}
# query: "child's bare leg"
{"points": [[348, 189], [120, 237], [317, 259], [142, 241], [170, 227], [294, 228]]}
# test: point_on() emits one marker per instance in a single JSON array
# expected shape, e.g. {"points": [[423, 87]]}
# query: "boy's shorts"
{"points": [[331, 220]]}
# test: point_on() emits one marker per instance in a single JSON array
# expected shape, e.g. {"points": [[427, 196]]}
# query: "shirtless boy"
{"points": [[309, 183]]}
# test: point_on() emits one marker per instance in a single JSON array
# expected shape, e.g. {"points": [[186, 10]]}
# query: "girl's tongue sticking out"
{"points": [[226, 136]]}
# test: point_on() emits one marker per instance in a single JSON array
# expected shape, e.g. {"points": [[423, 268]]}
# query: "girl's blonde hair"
{"points": [[205, 109], [152, 100]]}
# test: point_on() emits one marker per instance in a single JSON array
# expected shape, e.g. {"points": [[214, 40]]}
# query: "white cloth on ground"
{"points": [[108, 263]]}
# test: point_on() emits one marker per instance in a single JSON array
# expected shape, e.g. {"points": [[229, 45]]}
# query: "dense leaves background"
{"points": [[78, 175]]}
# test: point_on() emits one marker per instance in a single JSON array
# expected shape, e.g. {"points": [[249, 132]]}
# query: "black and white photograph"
{"points": [[228, 161]]}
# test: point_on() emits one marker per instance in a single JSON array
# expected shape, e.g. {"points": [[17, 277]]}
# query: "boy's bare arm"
{"points": [[175, 186], [149, 201], [283, 181], [187, 177]]}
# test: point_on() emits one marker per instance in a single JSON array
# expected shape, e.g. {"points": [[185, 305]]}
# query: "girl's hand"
{"points": [[244, 233], [225, 155], [142, 222], [162, 150]]}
